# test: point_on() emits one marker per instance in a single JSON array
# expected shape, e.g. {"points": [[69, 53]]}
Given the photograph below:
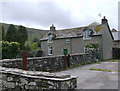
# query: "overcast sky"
{"points": [[62, 13]]}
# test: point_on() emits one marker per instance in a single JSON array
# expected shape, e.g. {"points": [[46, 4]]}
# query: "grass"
{"points": [[113, 61], [71, 66], [98, 62], [83, 63], [100, 69], [117, 70]]}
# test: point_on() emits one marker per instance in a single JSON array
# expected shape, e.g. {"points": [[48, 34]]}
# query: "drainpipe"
{"points": [[71, 46], [102, 47]]}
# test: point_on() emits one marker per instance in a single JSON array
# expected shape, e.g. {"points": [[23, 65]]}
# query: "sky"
{"points": [[41, 14]]}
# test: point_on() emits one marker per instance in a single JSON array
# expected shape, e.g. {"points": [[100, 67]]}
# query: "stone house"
{"points": [[72, 41], [116, 44], [116, 35]]}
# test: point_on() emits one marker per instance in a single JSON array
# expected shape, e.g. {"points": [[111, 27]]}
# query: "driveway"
{"points": [[91, 79]]}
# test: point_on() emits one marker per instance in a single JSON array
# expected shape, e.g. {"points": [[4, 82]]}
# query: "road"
{"points": [[91, 79]]}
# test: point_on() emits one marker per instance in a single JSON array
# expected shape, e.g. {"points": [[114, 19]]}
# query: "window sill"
{"points": [[50, 42], [86, 38], [50, 54]]}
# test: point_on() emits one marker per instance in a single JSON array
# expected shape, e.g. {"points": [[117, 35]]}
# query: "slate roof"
{"points": [[73, 32]]}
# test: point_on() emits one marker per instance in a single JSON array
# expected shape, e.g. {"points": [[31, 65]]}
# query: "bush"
{"points": [[32, 49], [92, 45], [98, 62], [10, 49]]}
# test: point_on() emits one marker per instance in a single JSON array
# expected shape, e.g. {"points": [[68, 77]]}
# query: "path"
{"points": [[90, 79]]}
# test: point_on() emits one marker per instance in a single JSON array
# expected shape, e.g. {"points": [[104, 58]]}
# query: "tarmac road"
{"points": [[91, 79]]}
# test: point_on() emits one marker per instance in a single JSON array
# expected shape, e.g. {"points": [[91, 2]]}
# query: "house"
{"points": [[116, 35], [116, 44], [72, 41]]}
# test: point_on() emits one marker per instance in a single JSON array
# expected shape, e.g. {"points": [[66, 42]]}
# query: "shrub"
{"points": [[98, 62], [92, 45], [10, 49]]}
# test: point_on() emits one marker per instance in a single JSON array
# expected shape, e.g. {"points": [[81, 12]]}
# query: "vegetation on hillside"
{"points": [[32, 33], [15, 39]]}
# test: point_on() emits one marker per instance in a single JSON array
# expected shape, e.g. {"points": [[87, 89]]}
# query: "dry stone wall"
{"points": [[13, 79], [50, 63]]}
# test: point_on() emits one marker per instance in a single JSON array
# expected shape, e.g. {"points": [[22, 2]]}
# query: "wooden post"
{"points": [[24, 60], [68, 60], [65, 61]]}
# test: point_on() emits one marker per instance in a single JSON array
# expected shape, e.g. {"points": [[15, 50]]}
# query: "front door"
{"points": [[65, 51]]}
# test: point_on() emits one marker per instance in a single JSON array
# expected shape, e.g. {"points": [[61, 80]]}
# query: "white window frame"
{"points": [[85, 50], [67, 41], [50, 50], [86, 34], [50, 38]]}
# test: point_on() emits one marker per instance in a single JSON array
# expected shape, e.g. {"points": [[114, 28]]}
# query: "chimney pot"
{"points": [[104, 21], [52, 28]]}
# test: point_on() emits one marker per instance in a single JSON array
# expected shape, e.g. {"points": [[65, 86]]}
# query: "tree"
{"points": [[38, 42], [3, 33], [10, 49], [11, 33], [22, 36]]}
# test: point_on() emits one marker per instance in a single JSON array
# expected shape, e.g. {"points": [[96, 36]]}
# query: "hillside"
{"points": [[32, 33]]}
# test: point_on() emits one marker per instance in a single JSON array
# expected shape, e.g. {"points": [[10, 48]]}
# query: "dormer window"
{"points": [[86, 33], [50, 37]]}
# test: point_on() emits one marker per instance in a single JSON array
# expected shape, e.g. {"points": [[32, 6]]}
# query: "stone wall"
{"points": [[116, 43], [50, 63], [81, 58], [18, 80]]}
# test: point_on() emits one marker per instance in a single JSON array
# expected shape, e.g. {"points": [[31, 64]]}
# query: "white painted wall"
{"points": [[115, 35]]}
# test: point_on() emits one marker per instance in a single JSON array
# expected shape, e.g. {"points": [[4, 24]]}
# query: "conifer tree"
{"points": [[3, 33], [11, 33], [22, 36]]}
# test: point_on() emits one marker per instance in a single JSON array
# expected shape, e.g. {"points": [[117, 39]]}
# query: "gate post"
{"points": [[24, 60], [68, 60], [65, 61]]}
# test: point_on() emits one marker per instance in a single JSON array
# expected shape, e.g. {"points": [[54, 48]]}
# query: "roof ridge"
{"points": [[78, 27]]}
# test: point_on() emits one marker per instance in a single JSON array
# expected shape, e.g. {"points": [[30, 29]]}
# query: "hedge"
{"points": [[10, 49]]}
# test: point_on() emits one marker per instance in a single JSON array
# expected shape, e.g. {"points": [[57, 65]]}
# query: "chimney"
{"points": [[104, 21], [52, 28]]}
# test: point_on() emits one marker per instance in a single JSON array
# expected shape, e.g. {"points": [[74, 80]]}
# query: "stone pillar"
{"points": [[24, 60]]}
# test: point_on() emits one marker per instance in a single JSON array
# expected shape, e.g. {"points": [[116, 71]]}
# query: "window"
{"points": [[85, 50], [50, 38], [67, 41], [86, 34], [50, 51]]}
